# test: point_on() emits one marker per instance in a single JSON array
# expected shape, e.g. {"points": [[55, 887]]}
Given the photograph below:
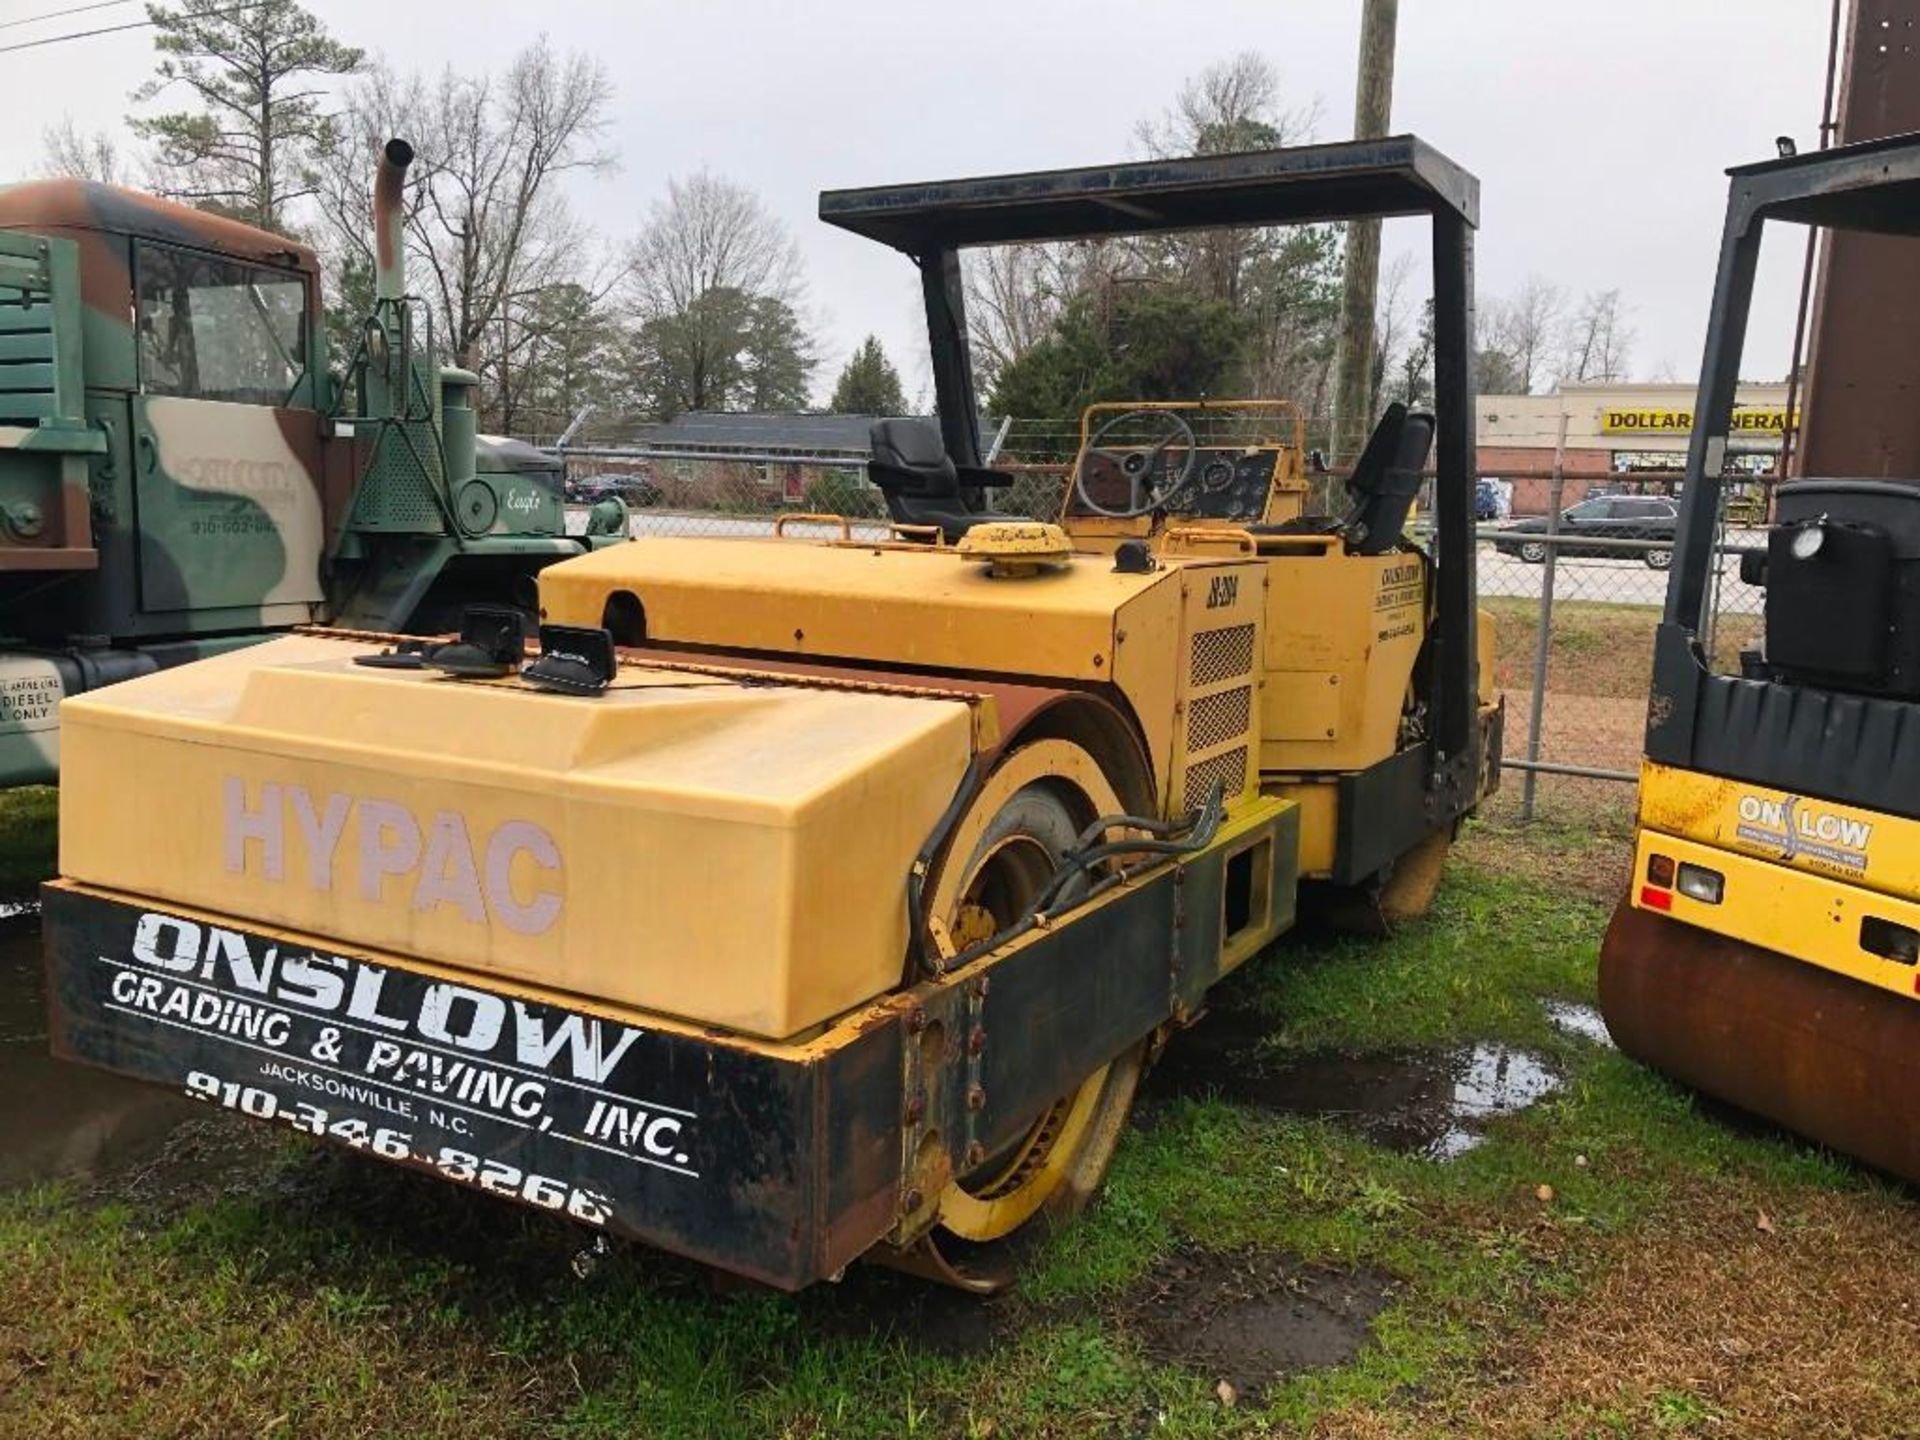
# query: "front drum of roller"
{"points": [[1825, 1056]]}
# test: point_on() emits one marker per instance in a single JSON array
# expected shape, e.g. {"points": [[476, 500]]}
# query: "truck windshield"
{"points": [[215, 329]]}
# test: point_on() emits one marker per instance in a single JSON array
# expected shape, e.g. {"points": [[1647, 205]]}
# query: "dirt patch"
{"points": [[1254, 1318], [1596, 649], [1581, 834], [1606, 732], [1748, 1315], [195, 1160], [1581, 842], [1600, 667], [876, 1303], [1422, 1102]]}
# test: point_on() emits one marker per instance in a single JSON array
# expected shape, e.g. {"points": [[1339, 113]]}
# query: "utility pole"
{"points": [[1353, 355]]}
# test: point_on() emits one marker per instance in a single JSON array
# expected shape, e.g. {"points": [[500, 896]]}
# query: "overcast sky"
{"points": [[1599, 133]]}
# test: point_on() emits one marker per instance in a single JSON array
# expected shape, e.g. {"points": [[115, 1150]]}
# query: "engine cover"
{"points": [[732, 852]]}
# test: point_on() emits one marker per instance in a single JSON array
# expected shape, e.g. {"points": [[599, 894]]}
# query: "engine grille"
{"points": [[1219, 718], [1230, 769], [1219, 713], [1221, 655]]}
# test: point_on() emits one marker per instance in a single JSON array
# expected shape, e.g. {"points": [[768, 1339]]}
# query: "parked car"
{"points": [[636, 490], [1490, 500], [1594, 522]]}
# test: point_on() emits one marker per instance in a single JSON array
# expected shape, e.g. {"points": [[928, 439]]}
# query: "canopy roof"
{"points": [[1873, 185], [1398, 175]]}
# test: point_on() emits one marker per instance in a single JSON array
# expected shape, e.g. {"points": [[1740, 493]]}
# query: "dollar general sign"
{"points": [[1747, 420]]}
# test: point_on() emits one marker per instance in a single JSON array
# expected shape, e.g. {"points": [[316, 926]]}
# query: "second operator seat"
{"points": [[922, 485], [1385, 481]]}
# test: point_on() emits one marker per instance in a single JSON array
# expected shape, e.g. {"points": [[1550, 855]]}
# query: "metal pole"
{"points": [[1353, 357], [1455, 729], [1543, 636], [573, 426], [999, 439], [1583, 772], [946, 296]]}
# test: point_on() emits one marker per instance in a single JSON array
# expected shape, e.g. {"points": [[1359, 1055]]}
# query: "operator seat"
{"points": [[1385, 480], [922, 485]]}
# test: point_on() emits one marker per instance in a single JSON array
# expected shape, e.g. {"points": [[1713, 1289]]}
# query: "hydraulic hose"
{"points": [[1164, 837]]}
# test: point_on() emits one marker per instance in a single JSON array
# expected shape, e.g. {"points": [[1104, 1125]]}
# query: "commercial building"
{"points": [[1615, 435]]}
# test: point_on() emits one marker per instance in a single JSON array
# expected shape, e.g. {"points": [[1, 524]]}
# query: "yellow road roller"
{"points": [[819, 894], [1768, 949]]}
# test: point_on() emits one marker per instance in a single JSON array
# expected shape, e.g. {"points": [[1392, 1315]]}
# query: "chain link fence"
{"points": [[1572, 571], [1575, 595], [744, 489]]}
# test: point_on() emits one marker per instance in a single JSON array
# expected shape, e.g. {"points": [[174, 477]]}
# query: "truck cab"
{"points": [[180, 474], [164, 384]]}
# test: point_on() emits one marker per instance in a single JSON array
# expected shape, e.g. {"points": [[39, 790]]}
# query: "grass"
{"points": [[1684, 1278], [27, 837], [1597, 648]]}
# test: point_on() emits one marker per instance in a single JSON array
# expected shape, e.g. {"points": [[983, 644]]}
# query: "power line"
{"points": [[74, 35], [130, 25], [61, 14]]}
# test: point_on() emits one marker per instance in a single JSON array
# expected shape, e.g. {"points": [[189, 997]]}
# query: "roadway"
{"points": [[1617, 582]]}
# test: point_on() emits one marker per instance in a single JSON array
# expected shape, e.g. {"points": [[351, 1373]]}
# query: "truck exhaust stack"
{"points": [[389, 220]]}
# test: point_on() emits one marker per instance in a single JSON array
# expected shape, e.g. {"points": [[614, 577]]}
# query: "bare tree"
{"points": [[1598, 341], [1277, 279], [1495, 371], [710, 234], [1394, 321], [1010, 303], [257, 119], [1231, 105], [1015, 293], [715, 285], [1519, 333], [489, 233], [68, 152]]}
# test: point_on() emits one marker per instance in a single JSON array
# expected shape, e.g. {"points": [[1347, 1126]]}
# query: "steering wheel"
{"points": [[1137, 464]]}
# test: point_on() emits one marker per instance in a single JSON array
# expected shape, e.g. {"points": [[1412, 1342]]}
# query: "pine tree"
{"points": [[869, 385], [246, 149]]}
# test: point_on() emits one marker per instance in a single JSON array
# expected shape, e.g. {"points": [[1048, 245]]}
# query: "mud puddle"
{"points": [[1250, 1320], [59, 1120], [1434, 1103]]}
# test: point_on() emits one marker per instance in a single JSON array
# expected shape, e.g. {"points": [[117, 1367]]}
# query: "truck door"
{"points": [[226, 438]]}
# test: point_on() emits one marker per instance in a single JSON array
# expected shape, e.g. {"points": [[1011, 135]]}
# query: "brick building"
{"points": [[1615, 434]]}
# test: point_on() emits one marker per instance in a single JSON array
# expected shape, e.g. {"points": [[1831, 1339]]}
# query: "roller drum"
{"points": [[1825, 1056]]}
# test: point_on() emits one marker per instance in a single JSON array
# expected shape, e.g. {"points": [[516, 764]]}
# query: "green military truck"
{"points": [[180, 474]]}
